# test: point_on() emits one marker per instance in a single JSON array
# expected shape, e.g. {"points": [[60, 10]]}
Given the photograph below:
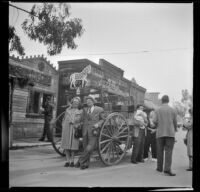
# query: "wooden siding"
{"points": [[19, 104], [25, 130]]}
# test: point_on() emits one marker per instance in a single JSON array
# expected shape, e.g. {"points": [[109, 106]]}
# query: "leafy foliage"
{"points": [[186, 98], [180, 108], [14, 41], [185, 95], [53, 28], [183, 106]]}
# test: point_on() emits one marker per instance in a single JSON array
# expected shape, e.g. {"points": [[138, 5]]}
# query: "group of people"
{"points": [[144, 135], [153, 130], [156, 128]]}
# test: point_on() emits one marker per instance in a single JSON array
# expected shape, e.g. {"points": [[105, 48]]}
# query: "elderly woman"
{"points": [[71, 121], [189, 137]]}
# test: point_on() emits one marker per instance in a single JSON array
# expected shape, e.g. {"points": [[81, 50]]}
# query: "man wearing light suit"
{"points": [[165, 120], [93, 117]]}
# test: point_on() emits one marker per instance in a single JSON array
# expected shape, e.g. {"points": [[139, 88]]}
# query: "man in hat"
{"points": [[48, 114], [93, 117]]}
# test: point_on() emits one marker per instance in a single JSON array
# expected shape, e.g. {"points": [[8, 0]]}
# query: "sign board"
{"points": [[28, 73]]}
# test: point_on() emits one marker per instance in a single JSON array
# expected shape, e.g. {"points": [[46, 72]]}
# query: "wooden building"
{"points": [[31, 80], [104, 77]]}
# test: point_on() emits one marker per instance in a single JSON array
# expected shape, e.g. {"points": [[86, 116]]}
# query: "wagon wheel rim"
{"points": [[113, 139], [56, 137]]}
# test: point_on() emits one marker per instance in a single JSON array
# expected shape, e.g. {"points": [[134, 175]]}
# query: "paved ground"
{"points": [[41, 166]]}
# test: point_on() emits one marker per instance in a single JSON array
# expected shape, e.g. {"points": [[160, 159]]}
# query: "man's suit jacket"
{"points": [[89, 120], [166, 121]]}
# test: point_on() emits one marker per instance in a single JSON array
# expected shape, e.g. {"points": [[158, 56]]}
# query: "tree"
{"points": [[14, 42], [180, 108], [186, 98], [185, 95], [49, 24]]}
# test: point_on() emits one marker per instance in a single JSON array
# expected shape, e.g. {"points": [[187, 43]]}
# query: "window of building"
{"points": [[36, 101]]}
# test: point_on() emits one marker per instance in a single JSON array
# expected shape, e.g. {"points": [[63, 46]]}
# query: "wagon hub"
{"points": [[114, 138]]}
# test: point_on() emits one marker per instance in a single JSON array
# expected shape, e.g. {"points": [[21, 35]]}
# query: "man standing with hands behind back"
{"points": [[166, 122]]}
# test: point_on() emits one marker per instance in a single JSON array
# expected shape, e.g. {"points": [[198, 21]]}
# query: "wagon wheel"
{"points": [[57, 134], [113, 139]]}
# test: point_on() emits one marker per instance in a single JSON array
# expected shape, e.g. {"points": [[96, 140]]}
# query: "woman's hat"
{"points": [[76, 98]]}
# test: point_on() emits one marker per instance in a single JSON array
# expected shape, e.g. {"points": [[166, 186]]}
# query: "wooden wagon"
{"points": [[115, 133]]}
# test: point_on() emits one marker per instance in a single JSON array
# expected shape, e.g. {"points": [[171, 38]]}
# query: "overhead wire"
{"points": [[13, 15], [129, 52], [16, 18], [18, 8]]}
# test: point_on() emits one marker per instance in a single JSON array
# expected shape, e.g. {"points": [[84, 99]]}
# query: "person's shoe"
{"points": [[71, 164], [84, 167], [169, 173], [66, 164], [189, 169], [141, 161], [134, 162], [77, 165], [41, 139], [158, 170]]}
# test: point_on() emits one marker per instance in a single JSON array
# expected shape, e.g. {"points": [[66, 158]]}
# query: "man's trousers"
{"points": [[165, 147], [89, 144]]}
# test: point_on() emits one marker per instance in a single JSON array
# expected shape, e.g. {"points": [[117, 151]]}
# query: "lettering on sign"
{"points": [[31, 74]]}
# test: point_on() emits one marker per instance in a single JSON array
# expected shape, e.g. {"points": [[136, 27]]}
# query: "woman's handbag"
{"points": [[185, 141], [78, 132]]}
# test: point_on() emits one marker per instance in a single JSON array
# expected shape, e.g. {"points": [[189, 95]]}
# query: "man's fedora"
{"points": [[90, 97]]}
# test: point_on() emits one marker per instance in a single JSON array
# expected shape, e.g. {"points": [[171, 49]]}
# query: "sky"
{"points": [[152, 42]]}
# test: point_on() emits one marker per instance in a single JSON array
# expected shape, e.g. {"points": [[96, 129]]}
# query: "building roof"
{"points": [[77, 61], [23, 59]]}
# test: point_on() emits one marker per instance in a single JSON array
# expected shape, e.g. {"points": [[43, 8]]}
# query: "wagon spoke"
{"points": [[111, 127], [105, 141], [123, 130], [121, 127], [106, 135], [111, 150], [122, 136], [106, 156], [108, 131], [123, 123], [106, 146], [109, 154], [116, 124]]}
